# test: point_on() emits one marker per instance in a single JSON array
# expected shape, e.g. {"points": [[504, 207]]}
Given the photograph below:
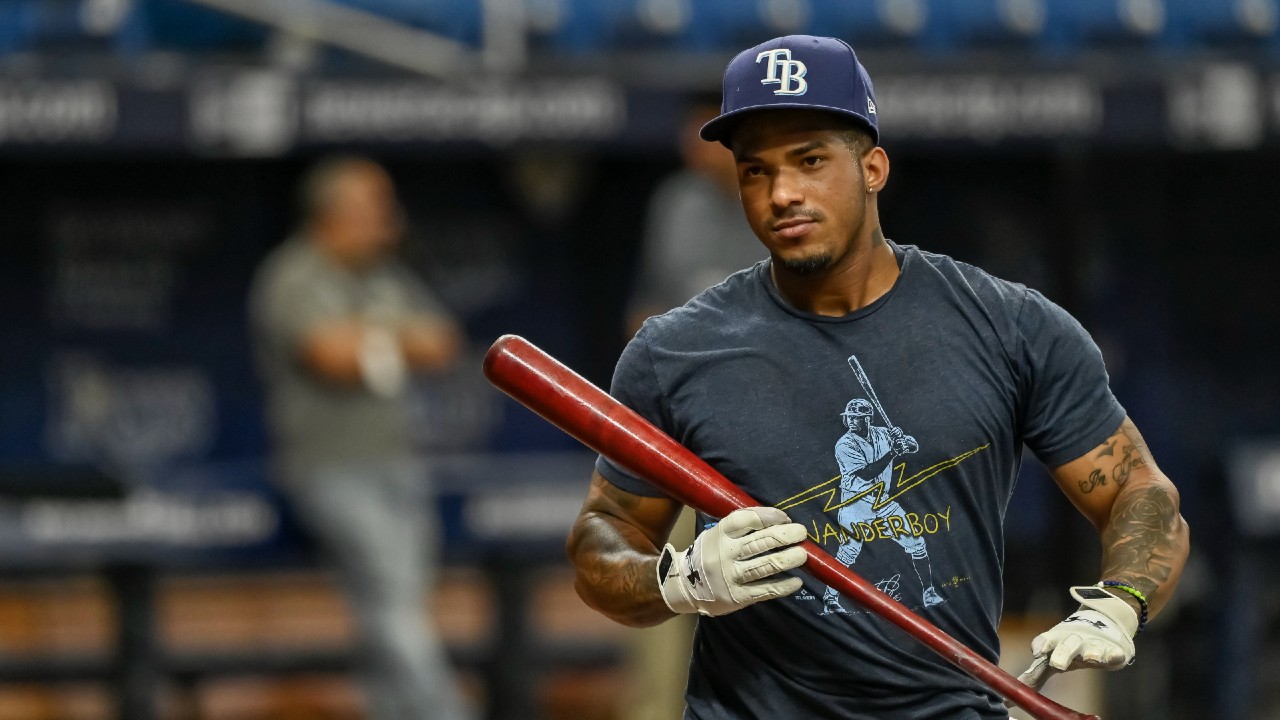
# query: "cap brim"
{"points": [[721, 127]]}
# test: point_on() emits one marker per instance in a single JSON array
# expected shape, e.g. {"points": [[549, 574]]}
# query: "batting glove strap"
{"points": [[1116, 610], [671, 571], [738, 562]]}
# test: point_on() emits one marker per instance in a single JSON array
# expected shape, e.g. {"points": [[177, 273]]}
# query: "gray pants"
{"points": [[373, 521]]}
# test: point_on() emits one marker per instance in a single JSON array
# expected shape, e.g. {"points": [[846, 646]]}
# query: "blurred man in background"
{"points": [[339, 326], [695, 236]]}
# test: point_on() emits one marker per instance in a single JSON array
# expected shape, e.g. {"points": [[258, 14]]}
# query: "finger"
{"points": [[1039, 672], [770, 515], [771, 538], [1094, 652], [1066, 651], [763, 566], [1112, 657], [746, 520], [772, 588], [1040, 644]]}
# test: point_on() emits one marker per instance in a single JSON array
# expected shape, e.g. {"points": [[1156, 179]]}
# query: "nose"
{"points": [[785, 190]]}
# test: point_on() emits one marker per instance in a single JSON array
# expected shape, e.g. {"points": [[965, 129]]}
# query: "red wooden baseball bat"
{"points": [[571, 403]]}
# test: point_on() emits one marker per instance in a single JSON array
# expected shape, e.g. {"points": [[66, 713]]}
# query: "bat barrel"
{"points": [[584, 411]]}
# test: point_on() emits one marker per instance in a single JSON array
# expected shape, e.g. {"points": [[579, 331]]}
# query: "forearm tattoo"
{"points": [[599, 567], [1141, 544], [612, 558], [1145, 543]]}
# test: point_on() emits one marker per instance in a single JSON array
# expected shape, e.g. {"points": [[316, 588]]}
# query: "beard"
{"points": [[810, 265]]}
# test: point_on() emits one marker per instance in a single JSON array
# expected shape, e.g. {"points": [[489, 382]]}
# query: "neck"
{"points": [[867, 273]]}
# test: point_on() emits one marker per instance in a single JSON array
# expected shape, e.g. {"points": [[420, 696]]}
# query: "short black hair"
{"points": [[858, 139]]}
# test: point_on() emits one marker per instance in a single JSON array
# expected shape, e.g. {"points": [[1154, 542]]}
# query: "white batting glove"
{"points": [[1099, 635], [734, 564]]}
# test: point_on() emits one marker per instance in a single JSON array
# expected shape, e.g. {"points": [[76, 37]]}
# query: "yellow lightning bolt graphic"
{"points": [[902, 485]]}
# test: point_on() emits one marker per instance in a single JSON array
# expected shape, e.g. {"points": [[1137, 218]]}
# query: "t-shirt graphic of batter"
{"points": [[865, 454]]}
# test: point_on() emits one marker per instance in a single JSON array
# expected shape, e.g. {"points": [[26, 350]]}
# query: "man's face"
{"points": [[856, 423], [364, 215], [802, 187]]}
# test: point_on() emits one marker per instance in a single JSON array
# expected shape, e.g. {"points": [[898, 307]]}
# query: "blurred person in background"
{"points": [[339, 326], [695, 236]]}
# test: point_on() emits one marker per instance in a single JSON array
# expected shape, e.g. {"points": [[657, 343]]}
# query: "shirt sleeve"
{"points": [[635, 384], [1068, 408], [850, 458]]}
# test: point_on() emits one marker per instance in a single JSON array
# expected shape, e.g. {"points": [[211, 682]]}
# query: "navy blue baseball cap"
{"points": [[796, 71]]}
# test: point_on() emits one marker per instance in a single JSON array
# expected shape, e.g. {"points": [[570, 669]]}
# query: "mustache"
{"points": [[793, 213]]}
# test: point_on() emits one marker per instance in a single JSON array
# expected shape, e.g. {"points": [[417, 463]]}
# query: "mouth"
{"points": [[792, 228]]}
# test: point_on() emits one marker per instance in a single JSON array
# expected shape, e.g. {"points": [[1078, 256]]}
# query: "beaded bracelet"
{"points": [[1142, 599]]}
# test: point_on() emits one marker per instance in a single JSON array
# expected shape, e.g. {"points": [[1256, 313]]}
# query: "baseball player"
{"points": [[748, 375], [865, 454]]}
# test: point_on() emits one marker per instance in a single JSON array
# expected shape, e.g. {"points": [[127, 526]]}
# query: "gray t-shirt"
{"points": [[314, 422], [969, 368]]}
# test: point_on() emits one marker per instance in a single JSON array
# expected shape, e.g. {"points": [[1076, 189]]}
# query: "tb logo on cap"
{"points": [[781, 70]]}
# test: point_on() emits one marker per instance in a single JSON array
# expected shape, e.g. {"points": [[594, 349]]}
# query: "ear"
{"points": [[875, 169]]}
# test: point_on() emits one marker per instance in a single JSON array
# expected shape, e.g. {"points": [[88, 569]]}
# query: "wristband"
{"points": [[1136, 593]]}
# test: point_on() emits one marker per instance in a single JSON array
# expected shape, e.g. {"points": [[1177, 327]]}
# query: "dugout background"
{"points": [[1144, 201]]}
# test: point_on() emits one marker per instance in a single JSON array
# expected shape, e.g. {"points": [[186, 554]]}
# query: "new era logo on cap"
{"points": [[796, 71]]}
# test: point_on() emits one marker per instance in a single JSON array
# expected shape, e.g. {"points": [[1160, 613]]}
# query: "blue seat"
{"points": [[663, 25], [181, 26], [591, 26], [60, 28], [986, 24], [573, 26], [15, 25], [676, 25], [460, 20], [732, 25], [1226, 23], [55, 24], [1077, 24], [873, 23]]}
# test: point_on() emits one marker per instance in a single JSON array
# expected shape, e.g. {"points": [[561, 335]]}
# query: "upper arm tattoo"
{"points": [[1130, 452]]}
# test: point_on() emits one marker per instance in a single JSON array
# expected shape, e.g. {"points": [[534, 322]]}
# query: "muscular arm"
{"points": [[614, 546], [1145, 540]]}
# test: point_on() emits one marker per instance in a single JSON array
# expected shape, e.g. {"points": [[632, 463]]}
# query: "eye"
{"points": [[813, 160], [752, 171]]}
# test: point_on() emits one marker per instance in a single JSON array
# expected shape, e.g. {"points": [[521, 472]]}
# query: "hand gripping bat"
{"points": [[584, 411]]}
